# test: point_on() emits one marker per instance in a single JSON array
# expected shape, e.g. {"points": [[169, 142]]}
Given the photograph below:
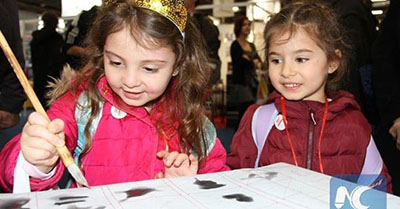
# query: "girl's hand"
{"points": [[39, 140], [395, 132], [178, 164]]}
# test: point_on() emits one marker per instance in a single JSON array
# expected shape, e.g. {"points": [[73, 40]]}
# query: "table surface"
{"points": [[275, 186]]}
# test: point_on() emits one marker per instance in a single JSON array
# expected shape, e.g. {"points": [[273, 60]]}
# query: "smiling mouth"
{"points": [[132, 95], [291, 85]]}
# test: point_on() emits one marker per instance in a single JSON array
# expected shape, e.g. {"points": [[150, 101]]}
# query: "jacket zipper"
{"points": [[310, 146]]}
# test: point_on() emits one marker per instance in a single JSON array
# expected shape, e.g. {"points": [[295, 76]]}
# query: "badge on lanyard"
{"points": [[116, 113], [279, 124]]}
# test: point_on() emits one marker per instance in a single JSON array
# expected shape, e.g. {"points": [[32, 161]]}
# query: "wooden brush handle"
{"points": [[21, 76], [63, 151]]}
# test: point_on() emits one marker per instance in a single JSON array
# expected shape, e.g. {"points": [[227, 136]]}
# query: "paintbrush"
{"points": [[64, 153]]}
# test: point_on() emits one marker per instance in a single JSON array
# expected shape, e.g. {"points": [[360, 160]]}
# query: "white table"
{"points": [[275, 186]]}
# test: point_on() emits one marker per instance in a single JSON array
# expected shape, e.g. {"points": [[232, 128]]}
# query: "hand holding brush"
{"points": [[42, 140]]}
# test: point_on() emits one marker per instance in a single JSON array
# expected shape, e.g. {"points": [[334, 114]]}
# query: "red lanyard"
{"points": [[320, 133]]}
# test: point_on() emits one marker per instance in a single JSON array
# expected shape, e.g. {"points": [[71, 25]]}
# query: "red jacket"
{"points": [[343, 145], [123, 149]]}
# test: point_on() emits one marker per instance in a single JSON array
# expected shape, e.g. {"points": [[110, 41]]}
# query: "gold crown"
{"points": [[174, 10]]}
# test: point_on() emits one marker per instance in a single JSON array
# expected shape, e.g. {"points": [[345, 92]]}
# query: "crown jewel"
{"points": [[174, 10]]}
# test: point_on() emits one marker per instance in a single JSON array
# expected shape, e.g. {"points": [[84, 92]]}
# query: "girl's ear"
{"points": [[335, 62], [175, 73]]}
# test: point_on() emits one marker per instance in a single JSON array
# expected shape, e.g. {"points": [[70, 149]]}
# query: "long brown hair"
{"points": [[238, 24], [322, 24], [180, 107]]}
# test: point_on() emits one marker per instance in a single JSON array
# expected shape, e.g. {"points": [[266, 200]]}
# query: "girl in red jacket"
{"points": [[135, 112], [307, 121]]}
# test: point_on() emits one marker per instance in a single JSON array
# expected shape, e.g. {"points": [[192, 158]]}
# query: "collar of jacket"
{"points": [[109, 96], [338, 102]]}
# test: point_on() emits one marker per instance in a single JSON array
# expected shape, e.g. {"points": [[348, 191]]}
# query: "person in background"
{"points": [[134, 112], [245, 60], [12, 96], [360, 25], [316, 126], [47, 58], [386, 72], [210, 36], [74, 49]]}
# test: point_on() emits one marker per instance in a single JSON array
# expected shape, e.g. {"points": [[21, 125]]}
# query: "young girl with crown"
{"points": [[135, 112]]}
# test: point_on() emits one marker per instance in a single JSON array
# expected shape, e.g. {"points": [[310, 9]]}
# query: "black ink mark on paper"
{"points": [[138, 192], [239, 197], [15, 203], [252, 175], [270, 175], [267, 175], [69, 202], [72, 197], [206, 184]]}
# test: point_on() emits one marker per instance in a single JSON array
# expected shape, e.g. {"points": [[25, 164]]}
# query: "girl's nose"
{"points": [[287, 70], [131, 78]]}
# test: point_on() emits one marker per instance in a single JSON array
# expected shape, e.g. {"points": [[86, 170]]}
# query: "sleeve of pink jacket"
{"points": [[216, 160], [64, 109]]}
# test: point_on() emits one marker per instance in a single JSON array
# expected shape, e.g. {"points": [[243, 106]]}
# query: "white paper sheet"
{"points": [[275, 186]]}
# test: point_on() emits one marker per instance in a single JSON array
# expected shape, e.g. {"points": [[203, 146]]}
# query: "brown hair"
{"points": [[50, 19], [322, 24], [183, 100], [237, 28]]}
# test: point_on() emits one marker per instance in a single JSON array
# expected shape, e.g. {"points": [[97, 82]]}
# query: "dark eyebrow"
{"points": [[273, 53], [158, 61], [296, 52], [112, 53], [302, 50], [154, 61]]}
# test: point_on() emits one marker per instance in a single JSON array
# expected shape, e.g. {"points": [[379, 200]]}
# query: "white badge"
{"points": [[116, 113], [279, 124]]}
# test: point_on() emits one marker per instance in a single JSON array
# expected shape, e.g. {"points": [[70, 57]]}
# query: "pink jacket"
{"points": [[123, 149]]}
